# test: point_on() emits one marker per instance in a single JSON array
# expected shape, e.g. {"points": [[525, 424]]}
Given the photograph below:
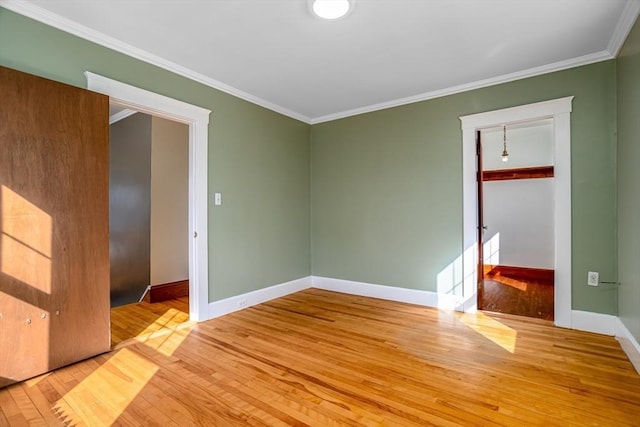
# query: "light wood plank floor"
{"points": [[143, 321], [319, 358]]}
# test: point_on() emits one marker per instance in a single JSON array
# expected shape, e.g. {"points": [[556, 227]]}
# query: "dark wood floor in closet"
{"points": [[518, 295]]}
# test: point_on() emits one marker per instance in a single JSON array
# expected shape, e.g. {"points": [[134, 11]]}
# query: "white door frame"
{"points": [[197, 118], [560, 111]]}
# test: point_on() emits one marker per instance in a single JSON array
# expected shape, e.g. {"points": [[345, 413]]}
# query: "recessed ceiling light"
{"points": [[331, 9]]}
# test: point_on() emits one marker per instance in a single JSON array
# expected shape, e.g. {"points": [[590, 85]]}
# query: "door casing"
{"points": [[197, 118], [560, 111]]}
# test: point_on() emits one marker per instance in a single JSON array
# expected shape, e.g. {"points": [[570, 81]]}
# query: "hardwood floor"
{"points": [[145, 320], [320, 358], [522, 296]]}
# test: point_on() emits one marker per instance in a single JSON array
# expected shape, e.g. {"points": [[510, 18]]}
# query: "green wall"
{"points": [[258, 159], [629, 181], [387, 187]]}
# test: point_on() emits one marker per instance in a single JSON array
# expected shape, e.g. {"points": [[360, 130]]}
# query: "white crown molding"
{"points": [[625, 24], [121, 115], [49, 18], [631, 11], [531, 72]]}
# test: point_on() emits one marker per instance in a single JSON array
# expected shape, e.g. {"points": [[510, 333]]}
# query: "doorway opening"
{"points": [[559, 110], [148, 216], [516, 219], [197, 119]]}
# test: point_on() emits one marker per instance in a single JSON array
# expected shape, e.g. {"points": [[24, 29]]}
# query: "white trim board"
{"points": [[607, 324], [506, 78], [628, 343], [625, 24], [598, 323], [197, 118], [242, 301], [392, 293], [121, 115], [560, 111], [44, 16]]}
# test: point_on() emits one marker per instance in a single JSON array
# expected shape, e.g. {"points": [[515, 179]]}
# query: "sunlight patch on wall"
{"points": [[111, 388], [459, 277], [491, 250], [25, 241]]}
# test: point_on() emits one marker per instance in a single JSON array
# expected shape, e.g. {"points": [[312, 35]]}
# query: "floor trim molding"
{"points": [[598, 323], [411, 296], [239, 302], [167, 291], [607, 324], [628, 343]]}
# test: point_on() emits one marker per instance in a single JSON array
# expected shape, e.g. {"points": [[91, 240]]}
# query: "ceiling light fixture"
{"points": [[331, 9], [505, 155]]}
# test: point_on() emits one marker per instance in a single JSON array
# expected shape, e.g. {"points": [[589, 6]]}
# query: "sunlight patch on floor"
{"points": [[166, 342], [517, 284], [169, 319], [104, 395], [491, 329]]}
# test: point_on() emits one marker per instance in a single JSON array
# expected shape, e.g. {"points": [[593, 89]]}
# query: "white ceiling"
{"points": [[386, 52]]}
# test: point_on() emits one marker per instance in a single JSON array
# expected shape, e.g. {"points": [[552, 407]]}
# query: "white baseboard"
{"points": [[598, 323], [411, 296], [607, 324], [628, 343], [238, 302]]}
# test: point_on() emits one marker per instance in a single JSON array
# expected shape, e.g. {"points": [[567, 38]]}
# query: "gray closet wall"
{"points": [[130, 207]]}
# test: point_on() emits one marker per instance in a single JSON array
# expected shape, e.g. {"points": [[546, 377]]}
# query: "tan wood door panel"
{"points": [[54, 225]]}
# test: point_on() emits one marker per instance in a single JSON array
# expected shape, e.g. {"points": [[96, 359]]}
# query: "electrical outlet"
{"points": [[593, 278], [242, 303]]}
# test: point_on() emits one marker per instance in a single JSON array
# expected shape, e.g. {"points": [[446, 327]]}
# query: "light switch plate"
{"points": [[217, 199]]}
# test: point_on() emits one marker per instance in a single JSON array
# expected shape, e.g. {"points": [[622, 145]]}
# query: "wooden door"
{"points": [[54, 225]]}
